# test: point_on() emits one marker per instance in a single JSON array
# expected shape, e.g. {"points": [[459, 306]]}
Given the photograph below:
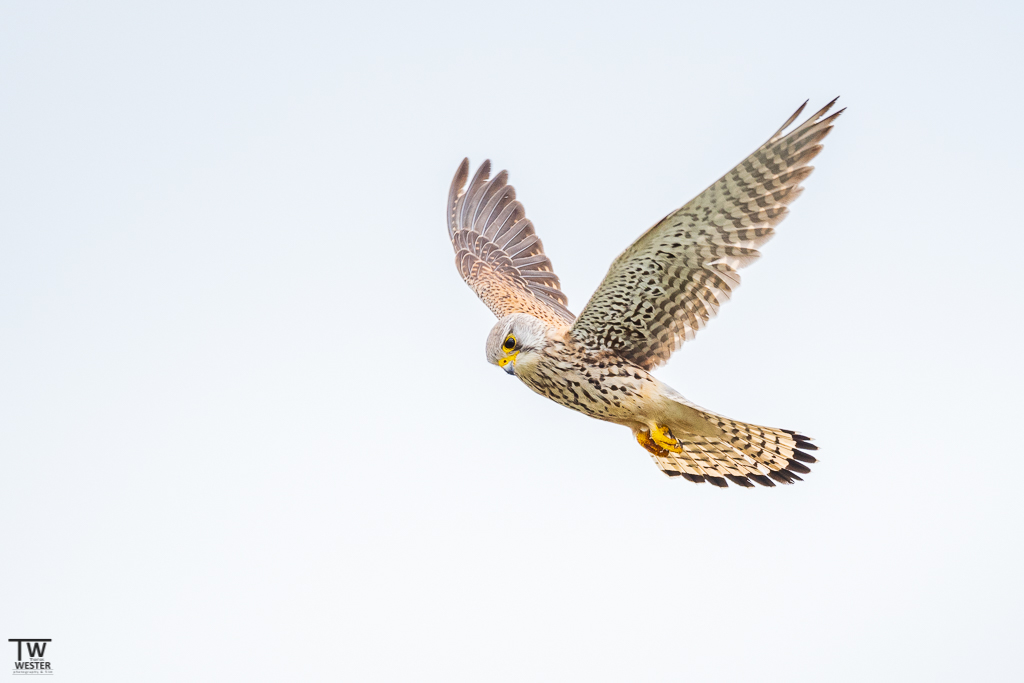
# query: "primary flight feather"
{"points": [[657, 294]]}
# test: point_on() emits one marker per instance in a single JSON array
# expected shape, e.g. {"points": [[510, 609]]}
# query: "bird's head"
{"points": [[515, 339]]}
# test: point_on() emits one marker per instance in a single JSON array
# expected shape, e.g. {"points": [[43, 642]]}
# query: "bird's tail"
{"points": [[735, 451]]}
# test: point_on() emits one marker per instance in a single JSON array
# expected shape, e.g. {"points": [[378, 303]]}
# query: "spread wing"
{"points": [[671, 281], [496, 250]]}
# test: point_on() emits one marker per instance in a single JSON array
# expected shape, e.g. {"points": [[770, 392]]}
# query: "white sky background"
{"points": [[247, 431]]}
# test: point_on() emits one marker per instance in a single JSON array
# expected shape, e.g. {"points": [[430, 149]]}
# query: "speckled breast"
{"points": [[599, 384]]}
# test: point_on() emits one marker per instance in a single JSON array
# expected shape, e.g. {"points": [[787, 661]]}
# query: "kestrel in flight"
{"points": [[656, 295]]}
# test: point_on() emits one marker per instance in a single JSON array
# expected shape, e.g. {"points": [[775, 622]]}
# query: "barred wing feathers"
{"points": [[669, 283], [497, 251]]}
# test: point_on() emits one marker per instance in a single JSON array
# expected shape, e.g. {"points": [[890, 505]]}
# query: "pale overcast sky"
{"points": [[247, 430]]}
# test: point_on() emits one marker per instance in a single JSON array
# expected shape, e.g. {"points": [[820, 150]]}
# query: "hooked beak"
{"points": [[508, 363]]}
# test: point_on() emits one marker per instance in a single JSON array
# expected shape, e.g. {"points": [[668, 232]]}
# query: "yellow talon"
{"points": [[664, 439], [645, 440], [658, 441]]}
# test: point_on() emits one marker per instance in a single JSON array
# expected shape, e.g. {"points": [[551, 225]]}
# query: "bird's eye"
{"points": [[510, 343]]}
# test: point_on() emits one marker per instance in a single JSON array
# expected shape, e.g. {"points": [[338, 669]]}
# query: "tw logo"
{"points": [[31, 657], [36, 646]]}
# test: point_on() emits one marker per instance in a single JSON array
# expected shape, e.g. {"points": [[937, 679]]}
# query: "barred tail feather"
{"points": [[744, 454]]}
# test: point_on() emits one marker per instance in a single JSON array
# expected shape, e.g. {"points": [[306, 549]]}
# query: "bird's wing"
{"points": [[671, 281], [496, 250]]}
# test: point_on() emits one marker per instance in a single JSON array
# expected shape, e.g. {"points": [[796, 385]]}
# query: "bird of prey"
{"points": [[657, 294]]}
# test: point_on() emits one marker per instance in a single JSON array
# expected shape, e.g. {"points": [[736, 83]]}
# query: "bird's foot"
{"points": [[658, 440], [663, 437], [644, 439]]}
